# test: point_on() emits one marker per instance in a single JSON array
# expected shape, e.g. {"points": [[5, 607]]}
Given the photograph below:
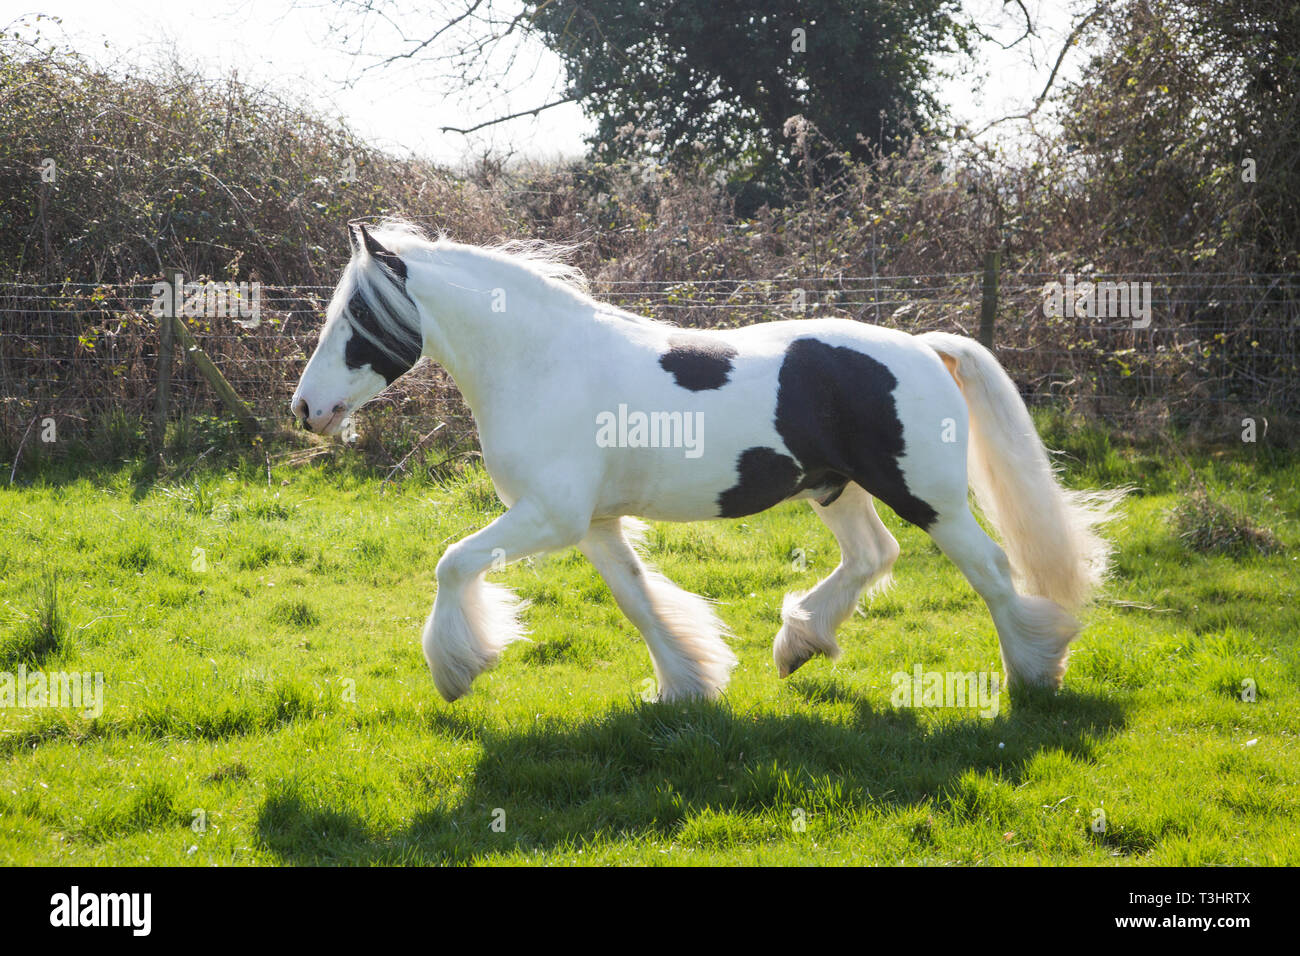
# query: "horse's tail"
{"points": [[1049, 532]]}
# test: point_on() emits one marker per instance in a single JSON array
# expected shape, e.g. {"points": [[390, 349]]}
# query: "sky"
{"points": [[308, 49]]}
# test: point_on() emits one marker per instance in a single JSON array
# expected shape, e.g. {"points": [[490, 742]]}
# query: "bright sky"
{"points": [[287, 45]]}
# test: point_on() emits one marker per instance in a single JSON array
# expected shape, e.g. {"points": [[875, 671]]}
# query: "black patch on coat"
{"points": [[830, 497], [697, 362], [764, 477], [836, 414], [361, 350]]}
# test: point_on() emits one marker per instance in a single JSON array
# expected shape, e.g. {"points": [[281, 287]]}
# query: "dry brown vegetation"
{"points": [[1142, 183]]}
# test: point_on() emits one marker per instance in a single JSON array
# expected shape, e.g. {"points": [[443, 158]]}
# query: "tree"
{"points": [[704, 81], [1186, 124], [685, 79]]}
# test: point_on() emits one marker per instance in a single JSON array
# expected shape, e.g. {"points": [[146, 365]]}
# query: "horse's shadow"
{"points": [[642, 770]]}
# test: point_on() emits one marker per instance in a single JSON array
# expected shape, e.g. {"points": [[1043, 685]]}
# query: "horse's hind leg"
{"points": [[1034, 633], [685, 636], [867, 553]]}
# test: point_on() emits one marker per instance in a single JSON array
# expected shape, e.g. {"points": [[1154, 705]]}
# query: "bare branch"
{"points": [[571, 98], [1029, 25], [1051, 79], [410, 54], [1065, 48]]}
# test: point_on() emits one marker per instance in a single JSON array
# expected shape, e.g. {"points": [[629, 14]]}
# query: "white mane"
{"points": [[534, 259], [549, 260]]}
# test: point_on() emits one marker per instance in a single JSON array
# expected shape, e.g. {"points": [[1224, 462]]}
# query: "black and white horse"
{"points": [[589, 415]]}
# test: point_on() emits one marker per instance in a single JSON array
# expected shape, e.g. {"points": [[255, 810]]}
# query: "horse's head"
{"points": [[372, 334]]}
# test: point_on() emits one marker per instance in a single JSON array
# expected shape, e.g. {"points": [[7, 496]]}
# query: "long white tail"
{"points": [[1049, 532]]}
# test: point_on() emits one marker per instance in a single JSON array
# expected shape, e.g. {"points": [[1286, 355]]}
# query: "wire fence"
{"points": [[1181, 345]]}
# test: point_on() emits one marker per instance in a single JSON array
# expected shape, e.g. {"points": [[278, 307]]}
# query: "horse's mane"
{"points": [[550, 260]]}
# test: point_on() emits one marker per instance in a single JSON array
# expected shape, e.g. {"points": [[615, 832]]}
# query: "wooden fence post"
{"points": [[225, 391], [989, 300], [163, 394]]}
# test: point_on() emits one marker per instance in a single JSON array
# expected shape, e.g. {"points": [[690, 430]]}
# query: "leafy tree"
{"points": [[709, 83], [681, 79], [1187, 125]]}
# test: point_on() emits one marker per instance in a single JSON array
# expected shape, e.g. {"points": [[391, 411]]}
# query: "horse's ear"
{"points": [[390, 259], [352, 238]]}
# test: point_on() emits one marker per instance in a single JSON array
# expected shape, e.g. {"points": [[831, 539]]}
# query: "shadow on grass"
{"points": [[642, 770]]}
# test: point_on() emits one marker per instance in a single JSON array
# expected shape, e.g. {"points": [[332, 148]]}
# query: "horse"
{"points": [[591, 418]]}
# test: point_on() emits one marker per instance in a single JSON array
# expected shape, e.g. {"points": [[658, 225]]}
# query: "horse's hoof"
{"points": [[787, 668]]}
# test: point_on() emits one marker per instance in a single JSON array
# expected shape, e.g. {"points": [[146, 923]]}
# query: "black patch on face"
{"points": [[361, 350], [835, 411], [697, 362], [764, 477]]}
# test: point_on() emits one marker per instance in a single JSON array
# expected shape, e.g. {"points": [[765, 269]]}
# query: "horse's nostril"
{"points": [[300, 411], [339, 407]]}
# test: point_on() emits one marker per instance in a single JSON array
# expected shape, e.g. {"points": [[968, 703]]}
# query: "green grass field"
{"points": [[265, 700]]}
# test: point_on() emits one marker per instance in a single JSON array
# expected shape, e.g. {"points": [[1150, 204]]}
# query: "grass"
{"points": [[266, 700], [42, 637], [1207, 525]]}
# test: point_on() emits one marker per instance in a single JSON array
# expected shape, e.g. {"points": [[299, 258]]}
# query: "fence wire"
{"points": [[1215, 341]]}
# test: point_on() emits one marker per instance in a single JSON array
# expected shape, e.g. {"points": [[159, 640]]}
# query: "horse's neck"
{"points": [[488, 322]]}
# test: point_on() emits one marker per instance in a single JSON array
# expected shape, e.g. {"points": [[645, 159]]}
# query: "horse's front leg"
{"points": [[473, 619], [685, 636]]}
